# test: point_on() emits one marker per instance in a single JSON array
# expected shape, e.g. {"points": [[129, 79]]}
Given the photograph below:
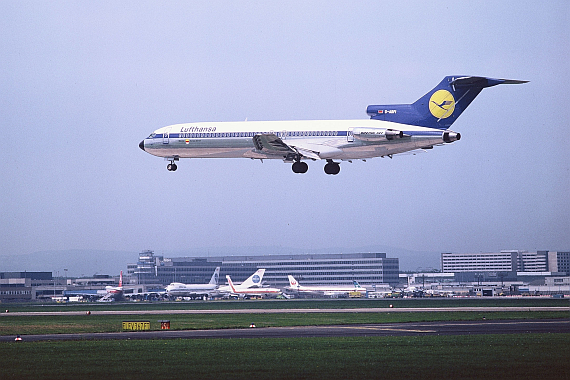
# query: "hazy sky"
{"points": [[82, 83]]}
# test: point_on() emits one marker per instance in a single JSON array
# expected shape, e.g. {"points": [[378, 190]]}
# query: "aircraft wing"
{"points": [[315, 151], [272, 144]]}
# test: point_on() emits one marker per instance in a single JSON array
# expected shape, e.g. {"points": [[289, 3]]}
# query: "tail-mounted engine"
{"points": [[450, 136]]}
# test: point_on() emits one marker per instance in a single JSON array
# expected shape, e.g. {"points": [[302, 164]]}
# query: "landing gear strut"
{"points": [[332, 167]]}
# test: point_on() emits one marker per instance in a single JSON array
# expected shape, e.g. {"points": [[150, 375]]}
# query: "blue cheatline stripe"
{"points": [[247, 134], [289, 134]]}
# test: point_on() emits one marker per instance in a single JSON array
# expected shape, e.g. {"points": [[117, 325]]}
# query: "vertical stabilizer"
{"points": [[253, 280], [231, 283], [292, 282], [215, 277], [440, 107]]}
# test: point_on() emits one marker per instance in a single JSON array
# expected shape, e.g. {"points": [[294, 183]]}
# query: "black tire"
{"points": [[332, 168], [300, 167]]}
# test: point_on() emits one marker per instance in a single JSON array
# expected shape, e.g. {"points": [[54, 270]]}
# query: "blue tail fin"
{"points": [[440, 107]]}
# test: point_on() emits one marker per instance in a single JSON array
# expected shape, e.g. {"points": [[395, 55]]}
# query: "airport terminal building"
{"points": [[506, 264], [309, 269]]}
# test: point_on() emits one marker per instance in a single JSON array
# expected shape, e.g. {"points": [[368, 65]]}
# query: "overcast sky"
{"points": [[82, 83]]}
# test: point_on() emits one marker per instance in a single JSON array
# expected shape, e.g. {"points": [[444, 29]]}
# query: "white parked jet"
{"points": [[253, 281], [328, 290], [114, 293], [391, 129], [177, 289], [253, 292]]}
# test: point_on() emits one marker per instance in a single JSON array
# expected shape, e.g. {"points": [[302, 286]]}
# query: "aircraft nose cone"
{"points": [[141, 145]]}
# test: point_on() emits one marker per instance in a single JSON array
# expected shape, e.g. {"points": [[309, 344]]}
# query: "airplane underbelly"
{"points": [[200, 149]]}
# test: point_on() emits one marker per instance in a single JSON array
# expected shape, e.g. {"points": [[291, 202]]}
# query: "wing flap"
{"points": [[316, 151], [271, 144]]}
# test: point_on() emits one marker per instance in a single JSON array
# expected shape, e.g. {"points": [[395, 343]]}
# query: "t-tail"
{"points": [[215, 277], [440, 107]]}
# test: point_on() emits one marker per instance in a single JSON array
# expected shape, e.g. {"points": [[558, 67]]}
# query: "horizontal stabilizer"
{"points": [[483, 82]]}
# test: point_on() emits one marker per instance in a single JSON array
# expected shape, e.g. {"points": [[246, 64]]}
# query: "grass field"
{"points": [[26, 325], [12, 324], [524, 356]]}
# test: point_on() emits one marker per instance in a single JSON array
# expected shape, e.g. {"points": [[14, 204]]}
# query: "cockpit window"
{"points": [[152, 136]]}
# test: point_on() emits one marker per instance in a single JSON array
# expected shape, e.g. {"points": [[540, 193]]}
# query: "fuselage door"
{"points": [[350, 135], [166, 136]]}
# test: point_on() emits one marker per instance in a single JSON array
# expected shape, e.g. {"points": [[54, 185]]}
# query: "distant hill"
{"points": [[89, 262], [77, 262]]}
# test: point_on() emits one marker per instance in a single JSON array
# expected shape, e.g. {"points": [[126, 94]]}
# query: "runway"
{"points": [[273, 311], [365, 330]]}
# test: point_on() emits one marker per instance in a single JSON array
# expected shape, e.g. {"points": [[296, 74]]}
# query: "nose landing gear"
{"points": [[171, 167]]}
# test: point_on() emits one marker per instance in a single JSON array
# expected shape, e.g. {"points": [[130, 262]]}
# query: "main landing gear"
{"points": [[332, 167], [300, 167]]}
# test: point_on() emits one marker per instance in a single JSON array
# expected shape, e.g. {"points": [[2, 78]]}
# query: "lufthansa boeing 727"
{"points": [[391, 129]]}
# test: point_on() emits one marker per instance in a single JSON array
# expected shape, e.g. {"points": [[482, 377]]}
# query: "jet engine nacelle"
{"points": [[451, 136], [376, 134]]}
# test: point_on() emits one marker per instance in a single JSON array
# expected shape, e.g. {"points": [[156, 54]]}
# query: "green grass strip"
{"points": [[523, 356], [26, 325]]}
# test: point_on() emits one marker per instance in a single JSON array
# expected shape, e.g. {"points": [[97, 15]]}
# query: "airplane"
{"points": [[252, 281], [252, 292], [114, 292], [391, 130], [329, 290], [109, 294], [178, 289]]}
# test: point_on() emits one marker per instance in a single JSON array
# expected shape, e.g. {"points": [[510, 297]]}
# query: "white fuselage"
{"points": [[314, 139], [327, 289], [177, 289], [256, 291]]}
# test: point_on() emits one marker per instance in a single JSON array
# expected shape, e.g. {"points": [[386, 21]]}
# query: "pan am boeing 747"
{"points": [[391, 129]]}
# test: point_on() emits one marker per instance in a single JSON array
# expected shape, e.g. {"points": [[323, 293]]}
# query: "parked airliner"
{"points": [[253, 281], [391, 129], [177, 289], [253, 292], [329, 290]]}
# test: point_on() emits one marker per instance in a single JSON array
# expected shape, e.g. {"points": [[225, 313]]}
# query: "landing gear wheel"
{"points": [[332, 168], [171, 167], [300, 167]]}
